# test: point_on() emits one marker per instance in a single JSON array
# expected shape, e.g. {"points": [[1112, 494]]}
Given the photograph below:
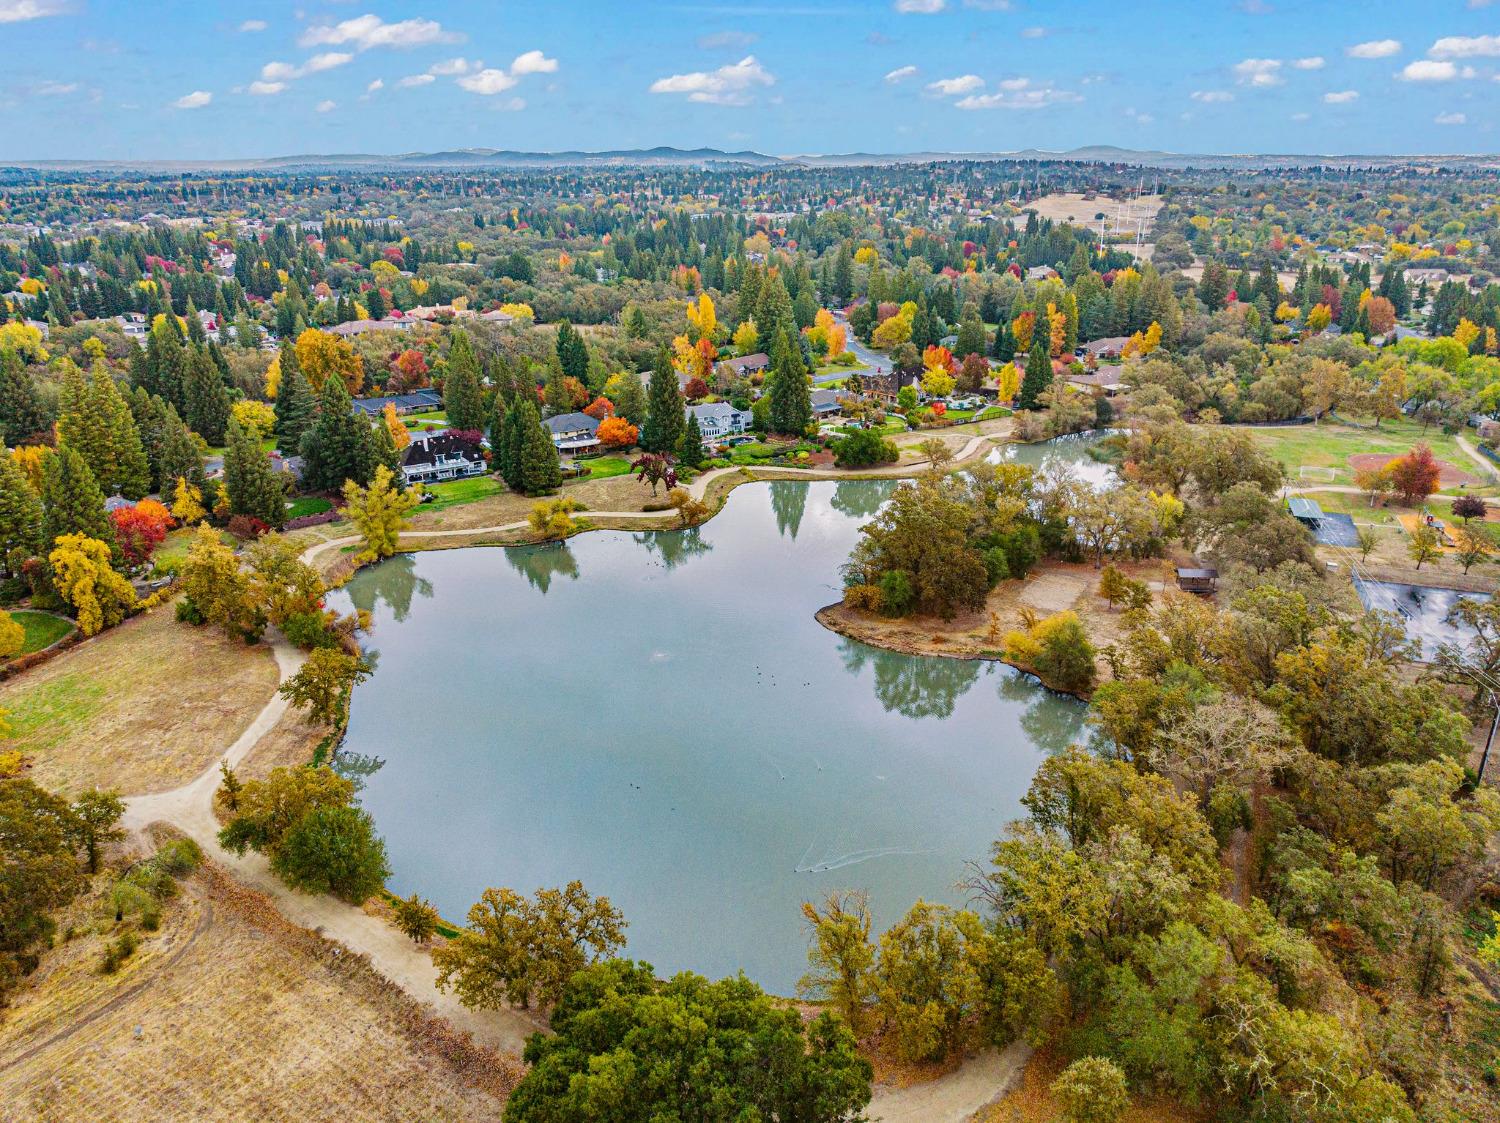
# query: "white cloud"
{"points": [[1211, 96], [1340, 97], [1301, 117], [369, 31], [726, 40], [1033, 32], [487, 82], [532, 62], [454, 66], [378, 84], [416, 80], [953, 87], [284, 72], [728, 85], [989, 5], [19, 11], [195, 100], [1428, 70], [327, 106], [1019, 93], [512, 105], [1258, 72], [54, 89], [1466, 46], [254, 25], [1312, 62], [261, 88], [1375, 48], [901, 74], [920, 7], [1450, 119]]}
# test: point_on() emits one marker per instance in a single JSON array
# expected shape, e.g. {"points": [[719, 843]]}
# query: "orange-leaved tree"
{"points": [[616, 432]]}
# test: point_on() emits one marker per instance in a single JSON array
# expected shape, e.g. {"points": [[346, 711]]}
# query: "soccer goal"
{"points": [[1307, 472]]}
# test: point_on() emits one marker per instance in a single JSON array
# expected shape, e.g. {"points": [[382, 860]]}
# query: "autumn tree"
{"points": [[656, 469], [1415, 475], [1425, 545], [379, 511], [1092, 1090], [519, 951], [140, 529], [1474, 545], [187, 503], [415, 917], [81, 570], [400, 435], [616, 432], [323, 683], [321, 354], [841, 957]]}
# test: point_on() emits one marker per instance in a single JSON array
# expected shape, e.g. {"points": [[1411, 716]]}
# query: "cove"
{"points": [[659, 715]]}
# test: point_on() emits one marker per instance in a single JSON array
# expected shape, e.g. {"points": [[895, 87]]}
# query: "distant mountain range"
{"points": [[714, 157]]}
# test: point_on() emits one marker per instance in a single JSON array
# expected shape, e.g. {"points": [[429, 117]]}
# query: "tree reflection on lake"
{"points": [[540, 564], [913, 685]]}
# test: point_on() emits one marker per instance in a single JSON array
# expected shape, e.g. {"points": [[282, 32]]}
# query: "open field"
{"points": [[1119, 218], [143, 707], [230, 1012], [1330, 445]]}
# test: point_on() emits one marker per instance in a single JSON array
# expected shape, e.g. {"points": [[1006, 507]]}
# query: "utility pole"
{"points": [[1484, 758]]}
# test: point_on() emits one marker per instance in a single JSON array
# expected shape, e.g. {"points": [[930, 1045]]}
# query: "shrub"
{"points": [[118, 951], [308, 630], [864, 448], [864, 598], [1092, 1090], [1057, 650], [415, 917], [996, 564], [247, 527], [897, 593], [333, 850], [188, 613]]}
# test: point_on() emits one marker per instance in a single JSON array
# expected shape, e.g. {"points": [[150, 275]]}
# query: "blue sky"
{"points": [[171, 80]]}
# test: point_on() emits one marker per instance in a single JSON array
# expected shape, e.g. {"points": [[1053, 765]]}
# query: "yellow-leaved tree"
{"points": [[746, 337], [702, 317], [379, 511], [187, 503], [12, 639], [1007, 383], [400, 435], [320, 354], [256, 418], [99, 596]]}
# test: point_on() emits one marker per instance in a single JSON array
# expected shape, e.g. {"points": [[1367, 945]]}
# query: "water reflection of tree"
{"points": [[674, 547], [1050, 722], [789, 503], [859, 499], [913, 685], [540, 564], [356, 767], [393, 581]]}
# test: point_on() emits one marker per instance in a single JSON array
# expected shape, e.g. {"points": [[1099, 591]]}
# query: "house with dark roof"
{"points": [[574, 434], [826, 403], [746, 365], [1106, 379], [1111, 347], [440, 456], [418, 401]]}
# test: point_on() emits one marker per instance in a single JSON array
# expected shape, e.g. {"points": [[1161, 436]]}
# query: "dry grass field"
{"points": [[1119, 218], [229, 1012], [144, 707]]}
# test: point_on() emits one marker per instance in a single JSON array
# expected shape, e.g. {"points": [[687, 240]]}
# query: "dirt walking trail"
{"points": [[950, 1099]]}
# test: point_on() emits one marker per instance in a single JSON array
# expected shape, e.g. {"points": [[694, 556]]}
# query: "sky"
{"points": [[116, 80]]}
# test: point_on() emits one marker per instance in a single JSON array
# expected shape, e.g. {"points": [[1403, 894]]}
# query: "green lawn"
{"points": [[425, 415], [307, 505], [42, 630], [1330, 445], [454, 492], [606, 466]]}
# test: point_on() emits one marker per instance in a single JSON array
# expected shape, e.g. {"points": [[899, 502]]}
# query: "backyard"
{"points": [[42, 629]]}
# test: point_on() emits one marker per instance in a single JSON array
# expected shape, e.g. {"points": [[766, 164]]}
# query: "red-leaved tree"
{"points": [[1415, 475], [141, 529]]}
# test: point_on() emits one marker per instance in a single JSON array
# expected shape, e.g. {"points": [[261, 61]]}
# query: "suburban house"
{"points": [[718, 420], [1111, 347], [1106, 379], [1041, 273], [440, 456], [746, 365], [573, 433], [418, 401], [885, 385], [826, 403], [359, 327]]}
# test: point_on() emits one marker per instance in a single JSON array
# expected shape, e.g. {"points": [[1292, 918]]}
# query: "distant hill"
{"points": [[713, 157]]}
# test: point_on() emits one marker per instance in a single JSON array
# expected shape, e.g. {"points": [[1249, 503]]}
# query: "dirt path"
{"points": [[1491, 473], [980, 1081]]}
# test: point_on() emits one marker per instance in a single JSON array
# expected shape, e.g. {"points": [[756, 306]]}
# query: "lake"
{"points": [[659, 715]]}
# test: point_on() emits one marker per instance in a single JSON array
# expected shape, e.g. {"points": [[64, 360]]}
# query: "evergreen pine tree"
{"points": [[383, 447], [791, 401], [206, 402], [340, 446], [664, 419], [296, 406], [970, 333], [252, 486], [1038, 376], [375, 304], [509, 450], [572, 352], [630, 398], [774, 312], [71, 501], [843, 275], [22, 415], [180, 458], [540, 470], [461, 395], [690, 451], [1005, 343], [20, 517]]}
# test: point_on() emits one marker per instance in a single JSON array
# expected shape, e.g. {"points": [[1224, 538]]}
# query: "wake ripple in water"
{"points": [[853, 858]]}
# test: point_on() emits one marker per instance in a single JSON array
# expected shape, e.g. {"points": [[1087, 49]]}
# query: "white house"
{"points": [[718, 420]]}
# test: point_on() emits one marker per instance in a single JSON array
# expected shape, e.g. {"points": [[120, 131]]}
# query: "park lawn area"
{"points": [[306, 505], [143, 707], [1329, 445], [607, 467], [451, 493], [42, 629], [228, 1006], [410, 419]]}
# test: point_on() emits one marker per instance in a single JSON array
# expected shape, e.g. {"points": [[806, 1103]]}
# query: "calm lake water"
{"points": [[659, 715]]}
